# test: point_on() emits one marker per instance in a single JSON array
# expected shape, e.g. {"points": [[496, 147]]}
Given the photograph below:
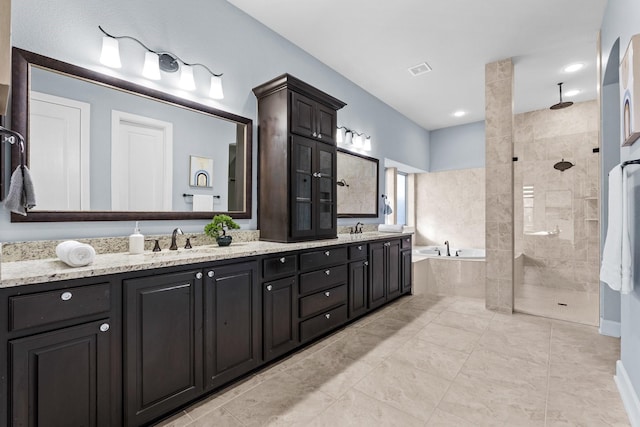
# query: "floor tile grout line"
{"points": [[546, 401]]}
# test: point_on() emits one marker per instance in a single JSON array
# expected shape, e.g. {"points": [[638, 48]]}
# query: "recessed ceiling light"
{"points": [[459, 113], [573, 68], [422, 68], [571, 93]]}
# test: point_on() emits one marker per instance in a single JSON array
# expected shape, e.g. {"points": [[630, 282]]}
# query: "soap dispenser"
{"points": [[136, 241]]}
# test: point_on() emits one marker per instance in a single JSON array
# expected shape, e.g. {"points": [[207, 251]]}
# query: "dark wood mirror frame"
{"points": [[19, 122], [373, 214]]}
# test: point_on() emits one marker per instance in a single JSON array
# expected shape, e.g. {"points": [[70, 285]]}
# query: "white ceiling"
{"points": [[373, 43]]}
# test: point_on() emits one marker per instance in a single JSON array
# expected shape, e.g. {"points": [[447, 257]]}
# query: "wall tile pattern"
{"points": [[499, 185]]}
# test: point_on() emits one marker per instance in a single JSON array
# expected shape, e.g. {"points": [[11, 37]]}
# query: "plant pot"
{"points": [[224, 240]]}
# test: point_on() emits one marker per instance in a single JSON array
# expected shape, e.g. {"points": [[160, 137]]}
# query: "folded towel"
{"points": [[75, 254], [21, 194], [390, 228], [616, 268]]}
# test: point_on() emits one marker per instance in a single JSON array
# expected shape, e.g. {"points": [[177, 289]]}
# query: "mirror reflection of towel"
{"points": [[21, 192]]}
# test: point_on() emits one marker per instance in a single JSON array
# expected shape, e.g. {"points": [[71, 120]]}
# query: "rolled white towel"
{"points": [[75, 254], [390, 228]]}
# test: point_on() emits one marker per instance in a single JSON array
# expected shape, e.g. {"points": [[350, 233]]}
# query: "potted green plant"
{"points": [[217, 229]]}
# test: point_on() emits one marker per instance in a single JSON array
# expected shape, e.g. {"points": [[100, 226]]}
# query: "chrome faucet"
{"points": [[174, 245], [446, 242], [359, 230]]}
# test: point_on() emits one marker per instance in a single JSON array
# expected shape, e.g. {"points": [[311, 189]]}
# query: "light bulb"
{"points": [[110, 55], [348, 138], [367, 144], [215, 91], [357, 141], [151, 69], [340, 136], [186, 78]]}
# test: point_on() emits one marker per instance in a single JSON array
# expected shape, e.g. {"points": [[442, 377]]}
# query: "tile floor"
{"points": [[431, 361]]}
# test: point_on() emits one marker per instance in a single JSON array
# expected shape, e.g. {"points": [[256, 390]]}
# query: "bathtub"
{"points": [[462, 275], [463, 253]]}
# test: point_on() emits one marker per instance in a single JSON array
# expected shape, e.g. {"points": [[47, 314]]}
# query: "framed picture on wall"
{"points": [[630, 92], [200, 171]]}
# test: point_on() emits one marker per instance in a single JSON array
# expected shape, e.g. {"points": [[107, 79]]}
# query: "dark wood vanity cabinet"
{"points": [[162, 343], [406, 265], [232, 322], [385, 281], [297, 161], [280, 317], [62, 348], [358, 280]]}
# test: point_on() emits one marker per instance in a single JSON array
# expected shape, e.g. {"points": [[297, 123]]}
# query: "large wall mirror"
{"points": [[357, 178], [100, 148]]}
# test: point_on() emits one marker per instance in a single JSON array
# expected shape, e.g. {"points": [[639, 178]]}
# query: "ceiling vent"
{"points": [[422, 68]]}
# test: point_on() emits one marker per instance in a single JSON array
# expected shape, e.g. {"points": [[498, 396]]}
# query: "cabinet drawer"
{"points": [[323, 322], [406, 242], [323, 300], [26, 311], [357, 252], [318, 259], [279, 266], [323, 279]]}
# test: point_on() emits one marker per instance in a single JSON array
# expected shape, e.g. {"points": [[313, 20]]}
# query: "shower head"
{"points": [[560, 105], [563, 165]]}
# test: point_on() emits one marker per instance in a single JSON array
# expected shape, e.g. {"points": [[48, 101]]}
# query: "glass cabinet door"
{"points": [[326, 189], [302, 173]]}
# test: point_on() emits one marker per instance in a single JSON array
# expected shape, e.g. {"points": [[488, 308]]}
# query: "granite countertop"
{"points": [[52, 269]]}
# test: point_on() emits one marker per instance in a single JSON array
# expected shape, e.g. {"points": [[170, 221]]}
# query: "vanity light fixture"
{"points": [[350, 137], [154, 61]]}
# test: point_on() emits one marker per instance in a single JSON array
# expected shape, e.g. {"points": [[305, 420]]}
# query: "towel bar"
{"points": [[191, 195]]}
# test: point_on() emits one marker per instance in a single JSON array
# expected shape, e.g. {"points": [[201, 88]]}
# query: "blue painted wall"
{"points": [[621, 21], [214, 33], [457, 147]]}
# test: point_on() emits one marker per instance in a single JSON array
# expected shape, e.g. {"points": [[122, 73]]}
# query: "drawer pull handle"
{"points": [[198, 275], [359, 248], [328, 315], [327, 253], [315, 134], [104, 327], [282, 260], [326, 294], [269, 287], [387, 244], [66, 296], [327, 272], [211, 273], [366, 263]]}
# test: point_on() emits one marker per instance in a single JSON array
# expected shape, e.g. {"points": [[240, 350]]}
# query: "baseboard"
{"points": [[609, 328], [628, 394]]}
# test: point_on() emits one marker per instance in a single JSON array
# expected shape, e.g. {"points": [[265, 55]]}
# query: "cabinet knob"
{"points": [[327, 253], [198, 275], [328, 315], [359, 248], [211, 273], [282, 260], [104, 327], [327, 294], [269, 287], [366, 263], [315, 134], [327, 272], [66, 296], [387, 244], [319, 136]]}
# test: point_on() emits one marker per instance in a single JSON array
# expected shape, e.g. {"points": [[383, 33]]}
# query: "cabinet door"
{"points": [[303, 115], [280, 317], [325, 196], [394, 285], [163, 351], [61, 378], [407, 269], [231, 322], [327, 123], [377, 276], [358, 282], [303, 180]]}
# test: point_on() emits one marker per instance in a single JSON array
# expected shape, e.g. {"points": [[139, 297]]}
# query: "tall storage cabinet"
{"points": [[297, 166]]}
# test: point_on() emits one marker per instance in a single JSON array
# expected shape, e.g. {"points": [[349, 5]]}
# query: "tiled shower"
{"points": [[556, 213]]}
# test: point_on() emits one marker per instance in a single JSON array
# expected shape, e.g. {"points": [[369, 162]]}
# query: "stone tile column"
{"points": [[499, 185]]}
